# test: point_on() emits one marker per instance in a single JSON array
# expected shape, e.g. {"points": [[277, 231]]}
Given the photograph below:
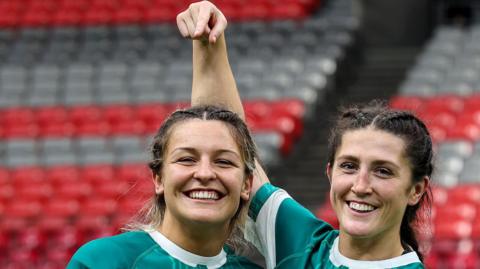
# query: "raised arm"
{"points": [[213, 81]]}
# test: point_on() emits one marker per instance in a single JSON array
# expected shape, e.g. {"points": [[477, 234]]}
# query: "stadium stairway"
{"points": [[376, 74]]}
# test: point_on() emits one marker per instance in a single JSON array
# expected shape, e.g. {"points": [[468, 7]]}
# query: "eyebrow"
{"points": [[376, 162], [193, 150]]}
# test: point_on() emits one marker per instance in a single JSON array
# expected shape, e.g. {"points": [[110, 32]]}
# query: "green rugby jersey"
{"points": [[149, 251], [290, 236]]}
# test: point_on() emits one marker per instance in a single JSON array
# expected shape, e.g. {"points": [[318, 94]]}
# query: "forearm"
{"points": [[213, 82]]}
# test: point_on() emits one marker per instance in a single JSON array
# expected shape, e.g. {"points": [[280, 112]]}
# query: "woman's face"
{"points": [[371, 184], [202, 178]]}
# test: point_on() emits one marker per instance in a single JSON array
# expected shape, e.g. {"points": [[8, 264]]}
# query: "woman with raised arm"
{"points": [[202, 166], [379, 168]]}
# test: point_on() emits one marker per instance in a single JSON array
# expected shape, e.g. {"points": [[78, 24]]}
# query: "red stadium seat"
{"points": [[36, 18], [464, 130], [411, 103], [292, 107], [49, 224], [22, 258], [56, 114], [133, 172], [152, 115], [467, 260], [97, 16], [67, 174], [57, 258], [128, 15], [327, 214], [9, 19], [40, 191], [27, 130], [61, 207], [14, 116], [4, 176], [28, 175], [118, 113], [78, 191], [98, 174], [23, 209], [85, 114], [31, 238], [441, 196], [137, 4], [461, 212], [99, 128], [80, 5], [130, 206], [54, 129], [450, 103], [43, 5], [128, 127], [67, 238], [67, 17], [445, 119], [112, 189], [98, 206], [105, 4], [285, 11], [160, 14], [255, 11], [467, 193], [452, 230]]}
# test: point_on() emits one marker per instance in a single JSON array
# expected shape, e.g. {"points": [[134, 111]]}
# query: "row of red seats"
{"points": [[283, 116], [448, 117], [35, 247], [93, 12], [68, 174], [61, 211]]}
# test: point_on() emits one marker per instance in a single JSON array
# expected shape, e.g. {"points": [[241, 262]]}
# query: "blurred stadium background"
{"points": [[84, 84]]}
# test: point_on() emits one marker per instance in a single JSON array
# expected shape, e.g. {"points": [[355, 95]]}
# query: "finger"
{"points": [[204, 16], [182, 27], [190, 26], [218, 28]]}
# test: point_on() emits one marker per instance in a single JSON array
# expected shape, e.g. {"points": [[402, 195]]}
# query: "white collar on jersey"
{"points": [[338, 259], [185, 256]]}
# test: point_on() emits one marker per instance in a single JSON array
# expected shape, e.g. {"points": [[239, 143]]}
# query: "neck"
{"points": [[370, 249], [204, 239]]}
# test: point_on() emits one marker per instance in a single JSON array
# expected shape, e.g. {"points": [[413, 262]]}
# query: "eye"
{"points": [[348, 167], [185, 160], [224, 163], [383, 172]]}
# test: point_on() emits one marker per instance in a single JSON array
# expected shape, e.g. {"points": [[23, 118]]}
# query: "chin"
{"points": [[356, 229]]}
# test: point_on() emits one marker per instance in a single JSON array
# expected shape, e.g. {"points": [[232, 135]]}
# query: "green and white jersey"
{"points": [[149, 250], [290, 236]]}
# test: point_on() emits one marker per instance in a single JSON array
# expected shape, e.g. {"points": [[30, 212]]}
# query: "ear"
{"points": [[328, 172], [157, 181], [246, 188], [417, 191]]}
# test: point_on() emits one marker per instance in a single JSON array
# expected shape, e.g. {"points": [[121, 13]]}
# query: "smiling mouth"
{"points": [[360, 207], [204, 195]]}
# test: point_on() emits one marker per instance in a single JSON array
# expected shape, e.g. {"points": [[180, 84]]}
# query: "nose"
{"points": [[204, 170], [361, 185]]}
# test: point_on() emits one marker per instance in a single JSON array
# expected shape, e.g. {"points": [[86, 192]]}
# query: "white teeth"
{"points": [[207, 195], [361, 207]]}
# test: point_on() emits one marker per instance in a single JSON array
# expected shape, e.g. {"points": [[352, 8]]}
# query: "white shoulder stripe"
{"points": [[265, 225]]}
